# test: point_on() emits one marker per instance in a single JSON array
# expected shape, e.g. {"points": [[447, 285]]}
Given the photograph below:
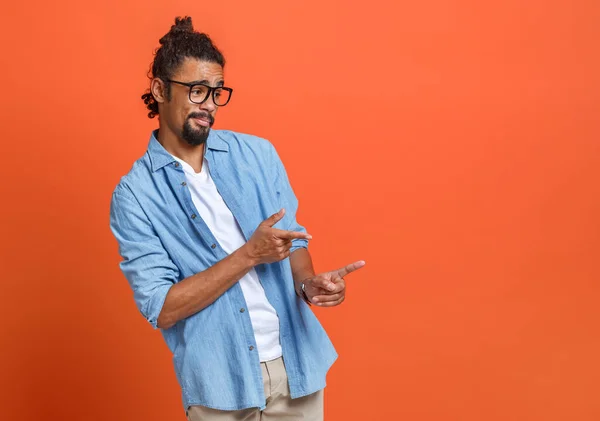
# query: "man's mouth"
{"points": [[205, 120], [202, 122]]}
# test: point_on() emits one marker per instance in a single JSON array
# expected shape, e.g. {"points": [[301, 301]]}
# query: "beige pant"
{"points": [[280, 407]]}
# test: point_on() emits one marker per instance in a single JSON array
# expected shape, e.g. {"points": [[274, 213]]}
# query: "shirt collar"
{"points": [[159, 157]]}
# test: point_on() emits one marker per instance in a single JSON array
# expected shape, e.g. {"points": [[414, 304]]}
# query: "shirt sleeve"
{"points": [[288, 201], [146, 264]]}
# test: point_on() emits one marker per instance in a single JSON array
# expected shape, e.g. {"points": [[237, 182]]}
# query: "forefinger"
{"points": [[291, 235], [350, 268]]}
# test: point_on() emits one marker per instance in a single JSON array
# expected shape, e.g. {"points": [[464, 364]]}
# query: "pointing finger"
{"points": [[350, 268], [291, 235]]}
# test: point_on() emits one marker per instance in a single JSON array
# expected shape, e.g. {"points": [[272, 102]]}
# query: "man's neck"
{"points": [[179, 148]]}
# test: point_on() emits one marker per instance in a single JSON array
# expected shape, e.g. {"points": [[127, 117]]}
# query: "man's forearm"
{"points": [[302, 267], [198, 291]]}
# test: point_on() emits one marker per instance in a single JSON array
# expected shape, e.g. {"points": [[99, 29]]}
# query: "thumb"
{"points": [[275, 218]]}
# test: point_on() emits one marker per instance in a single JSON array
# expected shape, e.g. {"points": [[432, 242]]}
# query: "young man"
{"points": [[206, 226]]}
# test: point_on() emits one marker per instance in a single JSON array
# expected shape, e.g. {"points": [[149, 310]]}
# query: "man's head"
{"points": [[186, 67]]}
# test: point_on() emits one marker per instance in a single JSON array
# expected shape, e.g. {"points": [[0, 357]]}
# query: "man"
{"points": [[206, 226]]}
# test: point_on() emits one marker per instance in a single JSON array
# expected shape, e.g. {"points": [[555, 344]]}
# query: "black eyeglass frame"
{"points": [[211, 91]]}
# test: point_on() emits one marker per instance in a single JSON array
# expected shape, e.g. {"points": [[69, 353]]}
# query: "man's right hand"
{"points": [[268, 244]]}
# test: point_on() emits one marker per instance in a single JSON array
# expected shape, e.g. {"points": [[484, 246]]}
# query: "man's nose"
{"points": [[209, 105]]}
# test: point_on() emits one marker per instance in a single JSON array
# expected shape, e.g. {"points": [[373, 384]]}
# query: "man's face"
{"points": [[187, 120]]}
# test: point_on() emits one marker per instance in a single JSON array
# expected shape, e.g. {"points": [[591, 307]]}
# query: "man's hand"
{"points": [[268, 244], [329, 289]]}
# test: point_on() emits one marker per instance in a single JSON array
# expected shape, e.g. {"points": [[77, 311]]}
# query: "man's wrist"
{"points": [[304, 296], [246, 256], [302, 271], [301, 292]]}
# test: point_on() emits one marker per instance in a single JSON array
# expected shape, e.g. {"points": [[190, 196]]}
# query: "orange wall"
{"points": [[452, 145]]}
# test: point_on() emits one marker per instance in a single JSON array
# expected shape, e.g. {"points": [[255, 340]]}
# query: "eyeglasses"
{"points": [[200, 92]]}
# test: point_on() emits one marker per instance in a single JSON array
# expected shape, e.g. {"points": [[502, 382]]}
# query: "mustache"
{"points": [[205, 116]]}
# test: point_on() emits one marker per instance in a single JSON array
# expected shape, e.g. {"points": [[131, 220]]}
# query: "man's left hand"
{"points": [[328, 289]]}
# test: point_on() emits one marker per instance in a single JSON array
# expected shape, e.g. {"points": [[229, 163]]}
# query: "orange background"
{"points": [[453, 145]]}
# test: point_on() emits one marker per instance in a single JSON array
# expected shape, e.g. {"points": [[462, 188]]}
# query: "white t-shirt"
{"points": [[224, 227]]}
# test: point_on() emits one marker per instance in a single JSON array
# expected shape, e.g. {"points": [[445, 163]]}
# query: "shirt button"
{"points": [[193, 216], [242, 310], [213, 246], [184, 183], [177, 164], [250, 347]]}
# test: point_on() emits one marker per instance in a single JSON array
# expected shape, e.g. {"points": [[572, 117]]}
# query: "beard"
{"points": [[196, 136]]}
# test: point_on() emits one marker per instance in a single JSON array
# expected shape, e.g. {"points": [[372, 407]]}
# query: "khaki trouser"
{"points": [[280, 407]]}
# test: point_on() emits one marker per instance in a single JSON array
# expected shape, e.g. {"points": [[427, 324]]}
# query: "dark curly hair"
{"points": [[176, 45]]}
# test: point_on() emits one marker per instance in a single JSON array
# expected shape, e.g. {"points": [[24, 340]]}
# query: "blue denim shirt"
{"points": [[162, 240]]}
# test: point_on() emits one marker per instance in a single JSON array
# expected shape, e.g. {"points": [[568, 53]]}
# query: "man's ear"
{"points": [[157, 87]]}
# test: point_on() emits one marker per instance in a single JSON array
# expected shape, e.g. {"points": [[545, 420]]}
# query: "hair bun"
{"points": [[183, 25]]}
